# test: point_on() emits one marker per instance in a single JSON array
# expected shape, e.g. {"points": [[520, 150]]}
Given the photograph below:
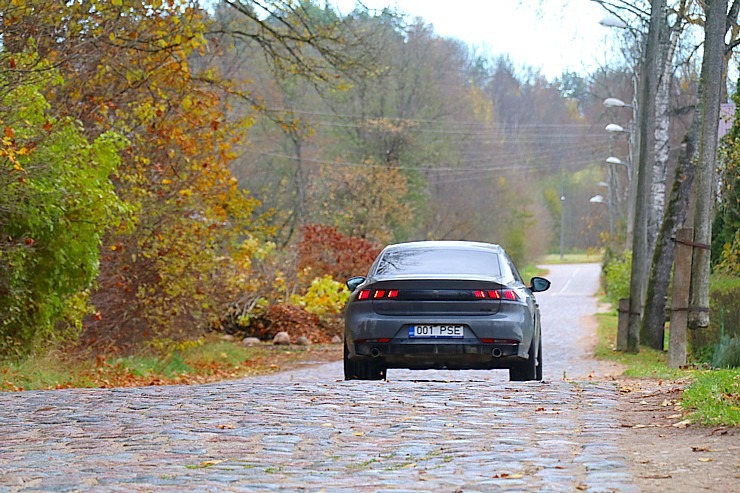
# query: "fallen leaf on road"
{"points": [[207, 463], [682, 424], [701, 449], [705, 459]]}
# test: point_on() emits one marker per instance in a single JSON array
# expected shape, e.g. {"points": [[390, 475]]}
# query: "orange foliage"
{"points": [[325, 250]]}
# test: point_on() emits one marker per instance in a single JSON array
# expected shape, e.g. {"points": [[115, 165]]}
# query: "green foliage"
{"points": [[714, 398], [718, 341], [617, 271], [728, 260], [324, 296], [726, 225], [727, 353], [56, 203], [515, 240]]}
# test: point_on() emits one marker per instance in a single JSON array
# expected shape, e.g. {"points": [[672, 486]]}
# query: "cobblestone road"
{"points": [[310, 431]]}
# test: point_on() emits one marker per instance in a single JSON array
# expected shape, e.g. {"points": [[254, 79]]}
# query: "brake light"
{"points": [[376, 294], [509, 294], [497, 294]]}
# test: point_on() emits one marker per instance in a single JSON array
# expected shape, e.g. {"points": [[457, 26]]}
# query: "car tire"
{"points": [[538, 375], [526, 370], [362, 369]]}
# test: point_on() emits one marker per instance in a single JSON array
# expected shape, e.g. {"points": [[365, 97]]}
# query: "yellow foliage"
{"points": [[325, 296]]}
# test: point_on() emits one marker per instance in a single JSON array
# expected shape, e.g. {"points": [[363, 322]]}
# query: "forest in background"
{"points": [[169, 169]]}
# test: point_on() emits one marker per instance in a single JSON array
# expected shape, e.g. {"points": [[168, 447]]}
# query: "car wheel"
{"points": [[362, 369], [538, 375], [526, 370]]}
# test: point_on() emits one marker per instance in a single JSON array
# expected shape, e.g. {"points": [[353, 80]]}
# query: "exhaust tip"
{"points": [[375, 352], [496, 352]]}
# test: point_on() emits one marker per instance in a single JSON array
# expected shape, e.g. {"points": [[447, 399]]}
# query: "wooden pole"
{"points": [[680, 298], [623, 321]]}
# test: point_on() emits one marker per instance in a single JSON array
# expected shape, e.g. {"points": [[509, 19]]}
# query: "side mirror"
{"points": [[354, 282], [539, 284]]}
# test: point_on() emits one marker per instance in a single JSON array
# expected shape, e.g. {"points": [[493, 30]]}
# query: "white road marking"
{"points": [[567, 283]]}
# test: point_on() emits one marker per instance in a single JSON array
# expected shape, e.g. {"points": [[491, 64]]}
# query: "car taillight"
{"points": [[376, 294], [497, 294]]}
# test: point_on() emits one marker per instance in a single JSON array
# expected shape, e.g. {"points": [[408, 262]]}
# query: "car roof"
{"points": [[447, 244]]}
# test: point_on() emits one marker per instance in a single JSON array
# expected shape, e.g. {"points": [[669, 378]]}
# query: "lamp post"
{"points": [[613, 129], [562, 211], [599, 199]]}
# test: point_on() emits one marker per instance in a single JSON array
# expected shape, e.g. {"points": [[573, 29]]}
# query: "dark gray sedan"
{"points": [[443, 304]]}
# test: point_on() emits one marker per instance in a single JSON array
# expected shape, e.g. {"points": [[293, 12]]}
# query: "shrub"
{"points": [[325, 296], [56, 204], [719, 341], [727, 353], [326, 251], [617, 277]]}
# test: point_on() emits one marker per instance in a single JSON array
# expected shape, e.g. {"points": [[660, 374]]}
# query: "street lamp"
{"points": [[612, 20], [613, 128], [616, 103], [599, 199]]}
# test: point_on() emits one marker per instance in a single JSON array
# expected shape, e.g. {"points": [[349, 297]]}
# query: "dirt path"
{"points": [[661, 456]]}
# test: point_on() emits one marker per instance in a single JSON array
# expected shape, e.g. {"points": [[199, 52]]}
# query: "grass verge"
{"points": [[203, 361], [531, 270], [713, 397], [573, 258]]}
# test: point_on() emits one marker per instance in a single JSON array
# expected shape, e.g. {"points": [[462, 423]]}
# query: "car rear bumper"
{"points": [[460, 354]]}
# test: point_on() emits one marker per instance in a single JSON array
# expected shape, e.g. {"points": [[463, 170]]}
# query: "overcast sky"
{"points": [[552, 35]]}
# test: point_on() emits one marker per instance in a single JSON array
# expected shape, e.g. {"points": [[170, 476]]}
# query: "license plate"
{"points": [[435, 331]]}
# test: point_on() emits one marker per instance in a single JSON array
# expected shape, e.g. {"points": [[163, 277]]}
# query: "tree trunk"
{"points": [[653, 333], [640, 254], [675, 217], [711, 75]]}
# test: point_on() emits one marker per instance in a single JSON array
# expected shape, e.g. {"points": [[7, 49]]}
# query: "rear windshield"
{"points": [[435, 261]]}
